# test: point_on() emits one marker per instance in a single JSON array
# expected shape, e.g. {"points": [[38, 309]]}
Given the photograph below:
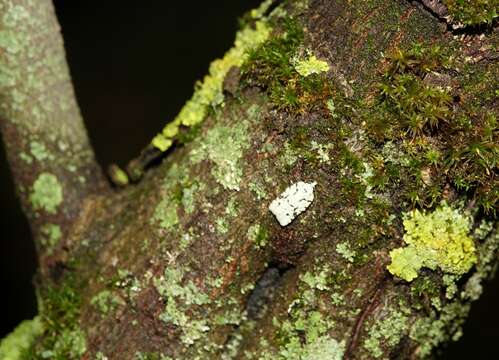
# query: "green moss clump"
{"points": [[434, 131], [407, 103], [472, 12], [292, 84], [435, 240], [46, 193], [63, 338], [15, 345]]}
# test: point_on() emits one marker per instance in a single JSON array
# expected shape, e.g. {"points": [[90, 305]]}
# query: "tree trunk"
{"points": [[329, 192]]}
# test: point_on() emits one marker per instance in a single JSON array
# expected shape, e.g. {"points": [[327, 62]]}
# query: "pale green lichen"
{"points": [[40, 152], [179, 300], [435, 240], [386, 332], [258, 235], [431, 331], [346, 251], [209, 92], [14, 345], [258, 189], [46, 193], [224, 147], [322, 151], [106, 301], [51, 234], [188, 196], [165, 214], [311, 65]]}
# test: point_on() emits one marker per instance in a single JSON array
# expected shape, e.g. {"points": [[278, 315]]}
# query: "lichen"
{"points": [[179, 299], [438, 239], [51, 234], [224, 146], [435, 329], [387, 331], [257, 234], [311, 65], [46, 193], [40, 152], [106, 301], [165, 214], [305, 333], [14, 345], [346, 251], [209, 91]]}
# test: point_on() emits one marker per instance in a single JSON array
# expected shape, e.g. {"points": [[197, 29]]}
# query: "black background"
{"points": [[133, 67]]}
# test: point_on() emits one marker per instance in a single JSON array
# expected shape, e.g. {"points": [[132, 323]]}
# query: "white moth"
{"points": [[292, 202]]}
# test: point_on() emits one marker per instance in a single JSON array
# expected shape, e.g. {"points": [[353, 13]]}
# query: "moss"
{"points": [[311, 65], [179, 299], [405, 102], [46, 193], [209, 91], [51, 234], [15, 345], [439, 239], [437, 135], [472, 12], [224, 147], [60, 311]]}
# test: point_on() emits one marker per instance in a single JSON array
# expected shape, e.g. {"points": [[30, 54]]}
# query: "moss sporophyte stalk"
{"points": [[438, 239]]}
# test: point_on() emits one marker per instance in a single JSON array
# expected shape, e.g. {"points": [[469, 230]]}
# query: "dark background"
{"points": [[133, 68]]}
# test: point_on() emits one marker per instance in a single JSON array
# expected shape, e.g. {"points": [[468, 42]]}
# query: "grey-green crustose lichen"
{"points": [[224, 146], [46, 193]]}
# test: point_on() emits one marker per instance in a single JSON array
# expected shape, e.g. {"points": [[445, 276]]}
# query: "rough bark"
{"points": [[189, 263]]}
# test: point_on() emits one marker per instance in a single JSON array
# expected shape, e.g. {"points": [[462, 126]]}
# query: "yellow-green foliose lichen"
{"points": [[209, 92], [311, 65], [46, 193], [436, 239], [13, 346]]}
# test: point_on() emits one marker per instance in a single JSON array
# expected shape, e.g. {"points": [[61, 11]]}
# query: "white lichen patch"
{"points": [[292, 202]]}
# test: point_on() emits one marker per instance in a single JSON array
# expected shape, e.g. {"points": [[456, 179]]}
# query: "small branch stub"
{"points": [[292, 202]]}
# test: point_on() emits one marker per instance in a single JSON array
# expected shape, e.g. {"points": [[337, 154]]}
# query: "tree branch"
{"points": [[47, 146]]}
